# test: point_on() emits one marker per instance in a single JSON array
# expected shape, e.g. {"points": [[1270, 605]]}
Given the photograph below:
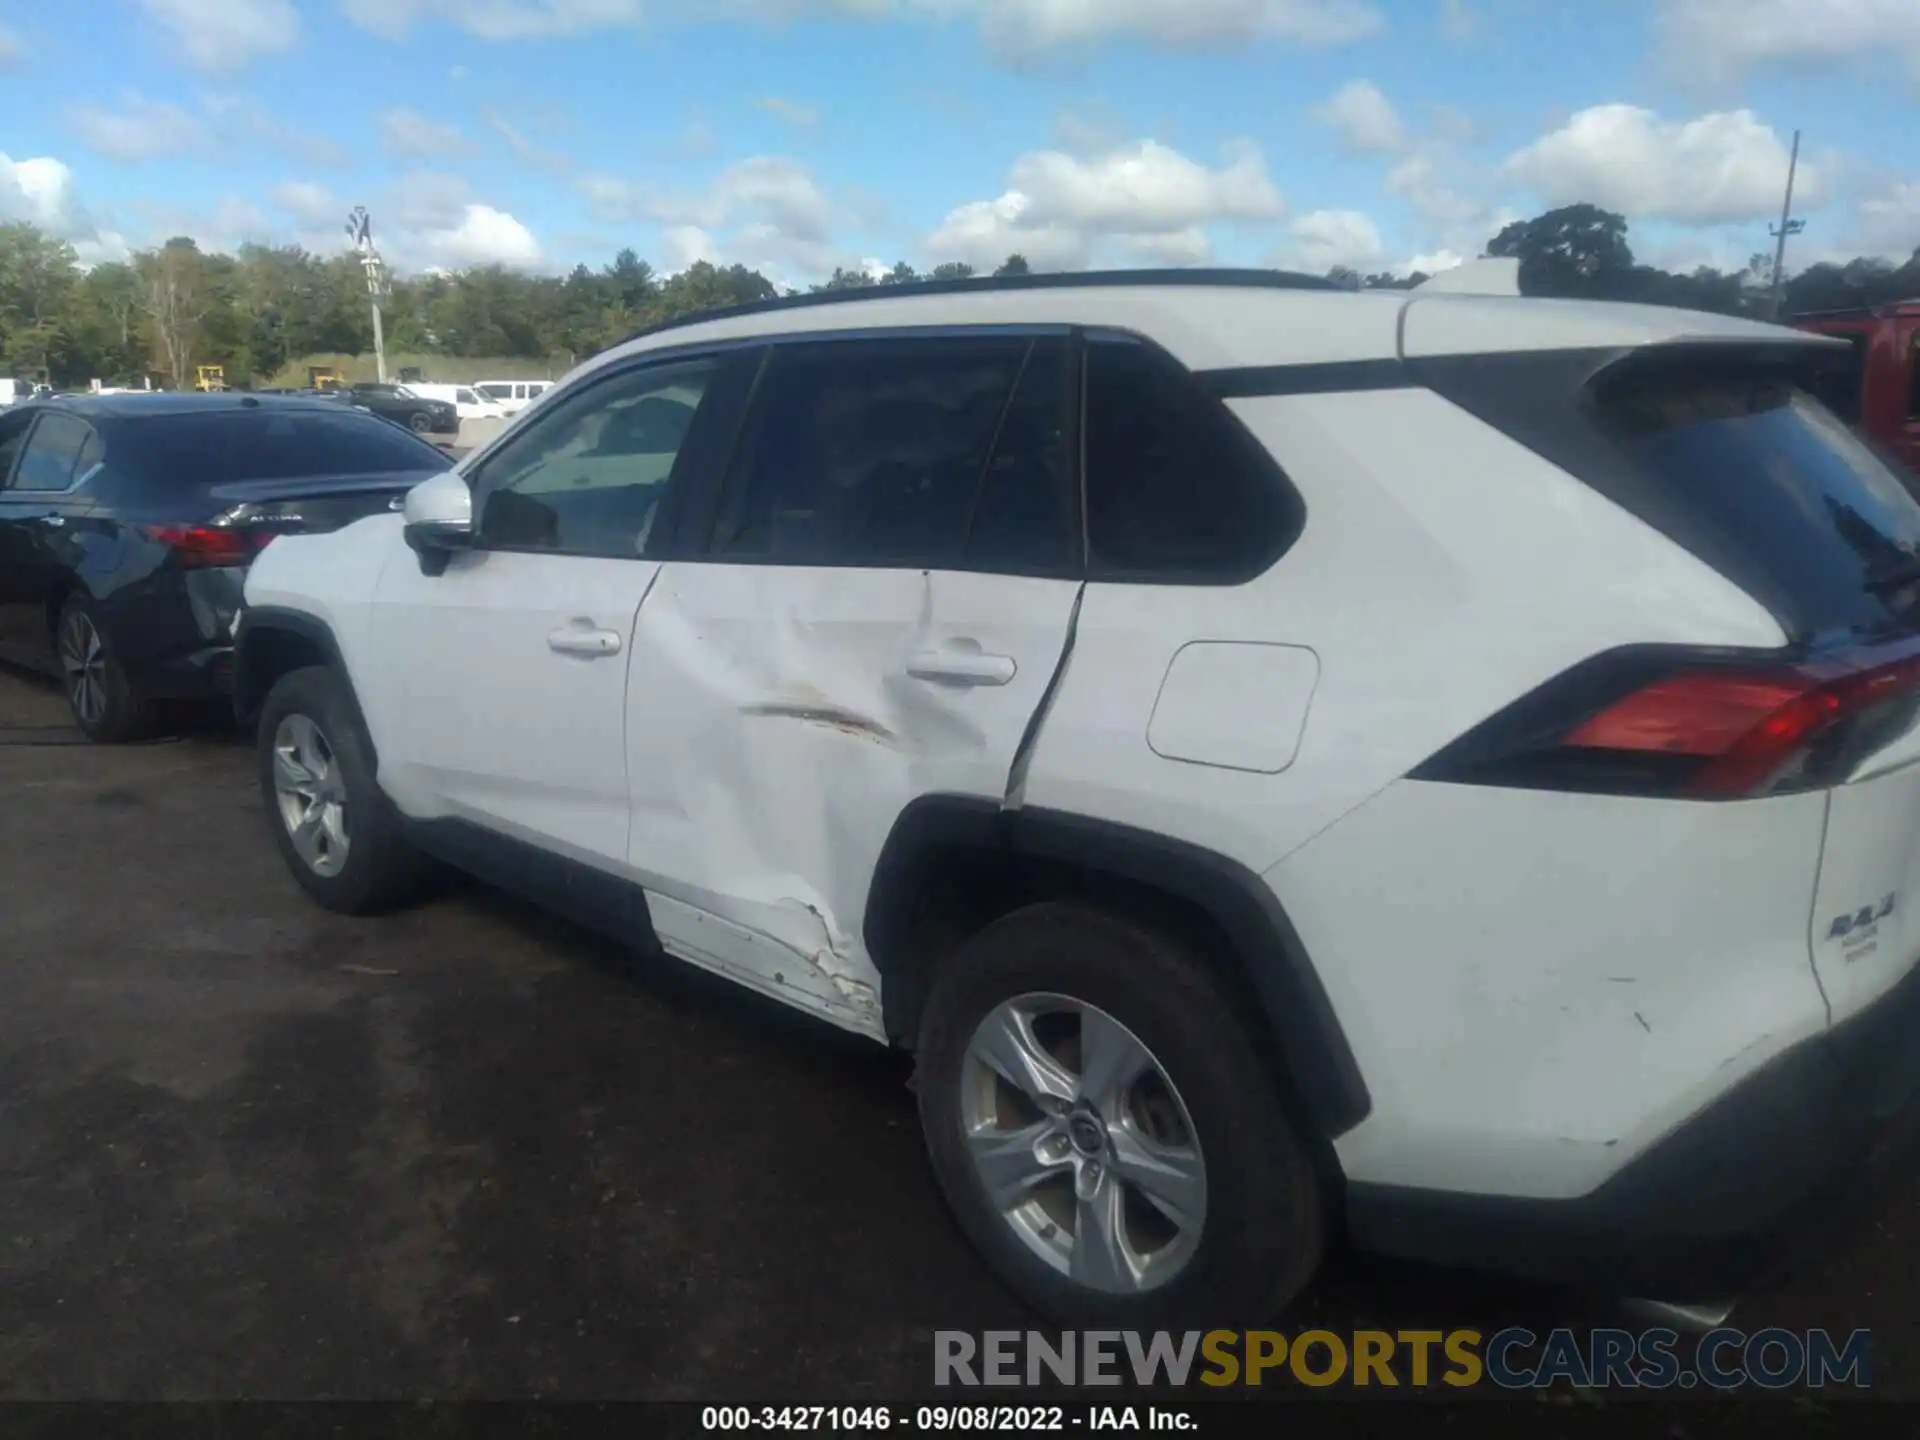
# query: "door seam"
{"points": [[1015, 795]]}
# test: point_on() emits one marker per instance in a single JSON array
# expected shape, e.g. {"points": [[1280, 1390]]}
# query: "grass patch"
{"points": [[435, 369]]}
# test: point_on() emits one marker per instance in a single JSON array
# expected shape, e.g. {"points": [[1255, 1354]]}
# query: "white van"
{"points": [[469, 403], [515, 395]]}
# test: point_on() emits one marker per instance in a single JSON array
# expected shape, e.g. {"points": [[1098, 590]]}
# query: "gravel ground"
{"points": [[250, 1149]]}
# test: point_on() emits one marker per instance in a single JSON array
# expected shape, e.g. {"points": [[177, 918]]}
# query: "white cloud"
{"points": [[1886, 222], [1431, 263], [313, 206], [407, 132], [688, 245], [768, 211], [1021, 28], [483, 236], [1718, 169], [496, 19], [1190, 246], [523, 146], [1015, 28], [1059, 210], [41, 191], [222, 35], [139, 130], [242, 120], [1323, 239], [1718, 41], [13, 54], [1364, 118]]}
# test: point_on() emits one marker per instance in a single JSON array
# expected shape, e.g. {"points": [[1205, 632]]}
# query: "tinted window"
{"points": [[217, 446], [13, 431], [1838, 381], [868, 452], [1913, 380], [1175, 487], [1811, 513], [1026, 518], [589, 478], [52, 449], [496, 392], [465, 396]]}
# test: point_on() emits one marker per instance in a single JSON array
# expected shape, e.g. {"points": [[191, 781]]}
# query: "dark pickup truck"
{"points": [[1878, 390], [401, 405]]}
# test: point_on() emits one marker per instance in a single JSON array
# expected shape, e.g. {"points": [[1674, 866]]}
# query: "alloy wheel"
{"points": [[83, 661], [1082, 1144], [311, 794]]}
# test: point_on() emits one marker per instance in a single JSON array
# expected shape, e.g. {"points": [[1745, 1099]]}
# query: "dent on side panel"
{"points": [[773, 754]]}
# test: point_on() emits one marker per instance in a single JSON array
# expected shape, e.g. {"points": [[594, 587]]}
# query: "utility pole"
{"points": [[360, 228], [1787, 226]]}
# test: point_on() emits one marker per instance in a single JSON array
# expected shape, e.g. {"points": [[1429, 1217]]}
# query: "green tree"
{"points": [[952, 270], [1015, 264], [1577, 250]]}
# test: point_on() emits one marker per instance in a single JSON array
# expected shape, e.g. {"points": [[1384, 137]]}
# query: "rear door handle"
{"points": [[53, 520], [574, 640], [962, 667]]}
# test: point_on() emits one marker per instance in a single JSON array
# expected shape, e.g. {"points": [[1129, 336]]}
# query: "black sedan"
{"points": [[127, 523], [400, 405]]}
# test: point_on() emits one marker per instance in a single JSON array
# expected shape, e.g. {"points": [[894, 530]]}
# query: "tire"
{"points": [[419, 422], [349, 854], [107, 708], [1261, 1228]]}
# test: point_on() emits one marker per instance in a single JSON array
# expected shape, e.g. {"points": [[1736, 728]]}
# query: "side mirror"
{"points": [[439, 520]]}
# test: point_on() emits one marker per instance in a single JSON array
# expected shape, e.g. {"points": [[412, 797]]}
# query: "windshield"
{"points": [[218, 447]]}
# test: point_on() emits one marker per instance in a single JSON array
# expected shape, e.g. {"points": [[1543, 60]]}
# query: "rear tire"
{"points": [[106, 706], [420, 422], [1213, 1212], [335, 828]]}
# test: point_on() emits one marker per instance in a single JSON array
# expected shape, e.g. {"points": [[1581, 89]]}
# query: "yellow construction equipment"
{"points": [[325, 377], [211, 377]]}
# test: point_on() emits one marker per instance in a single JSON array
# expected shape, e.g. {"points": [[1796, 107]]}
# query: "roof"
{"points": [[163, 402]]}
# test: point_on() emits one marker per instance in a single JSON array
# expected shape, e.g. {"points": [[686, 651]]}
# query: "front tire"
{"points": [[420, 422], [106, 706], [1106, 1134], [335, 829]]}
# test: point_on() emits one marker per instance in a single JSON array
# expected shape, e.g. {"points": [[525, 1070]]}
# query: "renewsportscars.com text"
{"points": [[1513, 1359]]}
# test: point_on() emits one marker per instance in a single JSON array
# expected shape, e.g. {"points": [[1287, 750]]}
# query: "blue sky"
{"points": [[794, 135]]}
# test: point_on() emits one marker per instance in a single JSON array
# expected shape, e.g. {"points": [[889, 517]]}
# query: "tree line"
{"points": [[166, 311]]}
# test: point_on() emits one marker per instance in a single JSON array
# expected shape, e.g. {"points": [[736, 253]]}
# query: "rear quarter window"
{"points": [[1731, 456], [222, 446]]}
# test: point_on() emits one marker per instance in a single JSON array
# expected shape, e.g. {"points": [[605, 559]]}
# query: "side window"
{"points": [[496, 392], [52, 450], [1176, 489], [868, 452], [1026, 519], [1838, 382], [13, 431], [588, 479], [1913, 378]]}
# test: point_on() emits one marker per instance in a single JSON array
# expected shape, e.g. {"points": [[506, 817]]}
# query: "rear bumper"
{"points": [[1769, 1175]]}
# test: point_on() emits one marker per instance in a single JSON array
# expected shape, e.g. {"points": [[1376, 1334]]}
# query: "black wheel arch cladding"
{"points": [[937, 832]]}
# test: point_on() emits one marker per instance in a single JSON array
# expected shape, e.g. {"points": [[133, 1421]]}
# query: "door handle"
{"points": [[53, 521], [574, 640], [962, 667]]}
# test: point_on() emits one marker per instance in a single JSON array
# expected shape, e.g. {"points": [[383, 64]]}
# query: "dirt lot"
{"points": [[251, 1149]]}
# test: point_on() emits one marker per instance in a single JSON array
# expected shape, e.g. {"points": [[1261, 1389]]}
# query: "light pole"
{"points": [[1787, 226], [360, 229]]}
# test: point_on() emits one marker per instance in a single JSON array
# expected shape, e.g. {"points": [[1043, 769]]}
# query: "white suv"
{"points": [[1437, 768]]}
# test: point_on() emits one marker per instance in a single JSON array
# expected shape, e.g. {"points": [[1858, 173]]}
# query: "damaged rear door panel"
{"points": [[843, 646]]}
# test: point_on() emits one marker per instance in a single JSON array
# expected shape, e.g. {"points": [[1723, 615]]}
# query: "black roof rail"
{"points": [[981, 284]]}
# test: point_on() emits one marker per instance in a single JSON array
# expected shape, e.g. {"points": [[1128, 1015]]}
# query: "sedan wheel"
{"points": [[311, 794], [83, 662], [1082, 1144]]}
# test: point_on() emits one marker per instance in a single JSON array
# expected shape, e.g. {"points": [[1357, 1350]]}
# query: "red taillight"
{"points": [[208, 544], [1706, 731]]}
